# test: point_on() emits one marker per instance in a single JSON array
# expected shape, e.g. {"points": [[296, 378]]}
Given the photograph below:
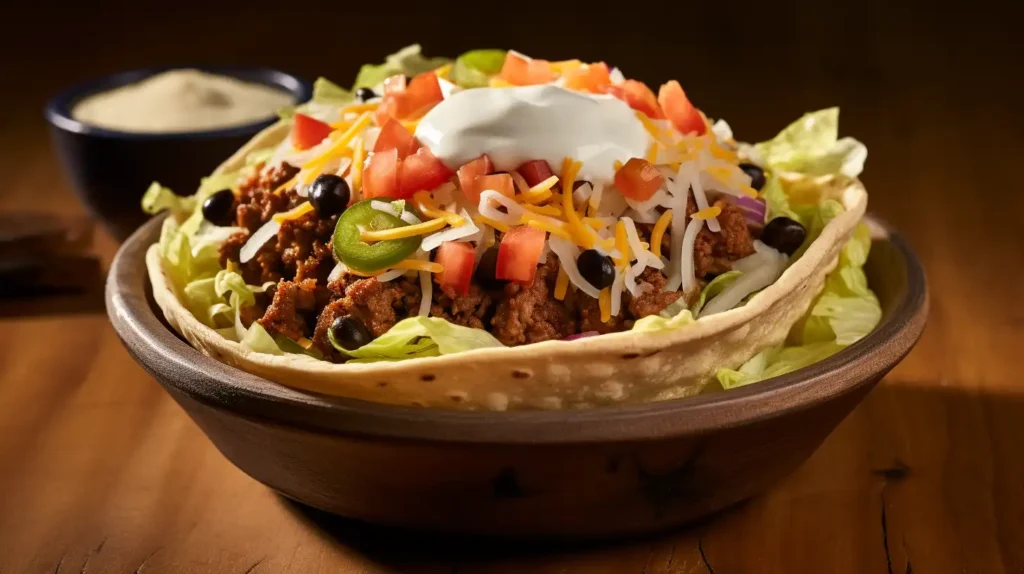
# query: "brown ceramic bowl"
{"points": [[587, 473]]}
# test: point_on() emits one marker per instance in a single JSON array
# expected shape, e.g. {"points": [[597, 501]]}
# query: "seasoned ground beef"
{"points": [[378, 305], [715, 252], [530, 313], [303, 305], [287, 315], [473, 310], [301, 249], [652, 299]]}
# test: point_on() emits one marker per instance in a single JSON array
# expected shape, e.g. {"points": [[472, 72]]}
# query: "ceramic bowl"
{"points": [[604, 472], [110, 169]]}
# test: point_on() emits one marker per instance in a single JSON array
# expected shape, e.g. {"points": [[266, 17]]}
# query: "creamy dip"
{"points": [[513, 125], [180, 101]]}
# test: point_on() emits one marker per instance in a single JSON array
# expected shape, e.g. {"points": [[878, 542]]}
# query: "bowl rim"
{"points": [[182, 369], [58, 108]]}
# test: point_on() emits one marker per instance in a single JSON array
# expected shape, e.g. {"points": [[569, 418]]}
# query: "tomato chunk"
{"points": [[593, 78], [307, 132], [500, 182], [380, 178], [638, 179], [421, 170], [535, 171], [518, 254], [468, 174], [457, 260], [394, 136], [523, 71], [639, 97], [422, 93], [683, 115]]}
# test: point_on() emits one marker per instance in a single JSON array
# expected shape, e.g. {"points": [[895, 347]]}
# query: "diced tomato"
{"points": [[457, 260], [394, 84], [593, 78], [686, 118], [638, 179], [535, 171], [421, 170], [519, 253], [380, 178], [638, 96], [307, 131], [394, 136], [422, 93], [500, 182], [468, 174], [523, 71]]}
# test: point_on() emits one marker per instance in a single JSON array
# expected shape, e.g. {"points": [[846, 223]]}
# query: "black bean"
{"points": [[218, 209], [486, 270], [329, 195], [784, 234], [350, 333], [365, 94], [597, 269], [756, 175]]}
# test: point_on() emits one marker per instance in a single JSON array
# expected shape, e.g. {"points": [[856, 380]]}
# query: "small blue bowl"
{"points": [[111, 169]]}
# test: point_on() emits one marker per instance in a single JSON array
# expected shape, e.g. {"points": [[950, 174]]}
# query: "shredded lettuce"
{"points": [[475, 68], [714, 287], [659, 323], [844, 312], [776, 200], [419, 337], [811, 145], [158, 198], [408, 61]]}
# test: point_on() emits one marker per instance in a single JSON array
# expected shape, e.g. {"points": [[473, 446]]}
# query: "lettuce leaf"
{"points": [[714, 287], [811, 145], [408, 61], [844, 312], [659, 323], [420, 337], [159, 198], [475, 68]]}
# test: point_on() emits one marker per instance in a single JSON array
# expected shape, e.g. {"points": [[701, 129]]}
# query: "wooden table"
{"points": [[100, 471]]}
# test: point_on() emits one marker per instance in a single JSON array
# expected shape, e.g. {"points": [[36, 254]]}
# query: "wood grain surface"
{"points": [[100, 471]]}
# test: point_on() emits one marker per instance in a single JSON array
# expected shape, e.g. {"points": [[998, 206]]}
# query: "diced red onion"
{"points": [[753, 209]]}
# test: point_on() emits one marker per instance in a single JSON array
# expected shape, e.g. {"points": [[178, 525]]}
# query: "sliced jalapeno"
{"points": [[362, 256]]}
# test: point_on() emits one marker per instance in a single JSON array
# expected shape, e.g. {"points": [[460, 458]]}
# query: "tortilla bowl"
{"points": [[622, 367], [606, 471]]}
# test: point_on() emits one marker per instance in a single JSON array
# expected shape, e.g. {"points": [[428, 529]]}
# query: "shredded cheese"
{"points": [[659, 232], [708, 212], [294, 213], [541, 191], [543, 226], [544, 210], [360, 108], [443, 71], [358, 157], [621, 243], [492, 223], [497, 82], [617, 165], [653, 129], [286, 185], [339, 145], [561, 284], [595, 224], [584, 236], [605, 303], [403, 232], [419, 265], [519, 181], [423, 202], [748, 191], [411, 125], [652, 153]]}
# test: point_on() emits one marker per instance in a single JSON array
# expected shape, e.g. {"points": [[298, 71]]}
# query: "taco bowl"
{"points": [[670, 319]]}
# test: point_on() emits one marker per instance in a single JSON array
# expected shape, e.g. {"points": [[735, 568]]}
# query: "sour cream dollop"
{"points": [[514, 125]]}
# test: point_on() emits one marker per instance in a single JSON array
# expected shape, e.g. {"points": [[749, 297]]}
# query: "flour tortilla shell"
{"points": [[610, 369]]}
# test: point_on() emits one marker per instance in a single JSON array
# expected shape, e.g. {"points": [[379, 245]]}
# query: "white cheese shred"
{"points": [[258, 240], [617, 289], [434, 240], [391, 274], [701, 198], [686, 270], [426, 293], [760, 270]]}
